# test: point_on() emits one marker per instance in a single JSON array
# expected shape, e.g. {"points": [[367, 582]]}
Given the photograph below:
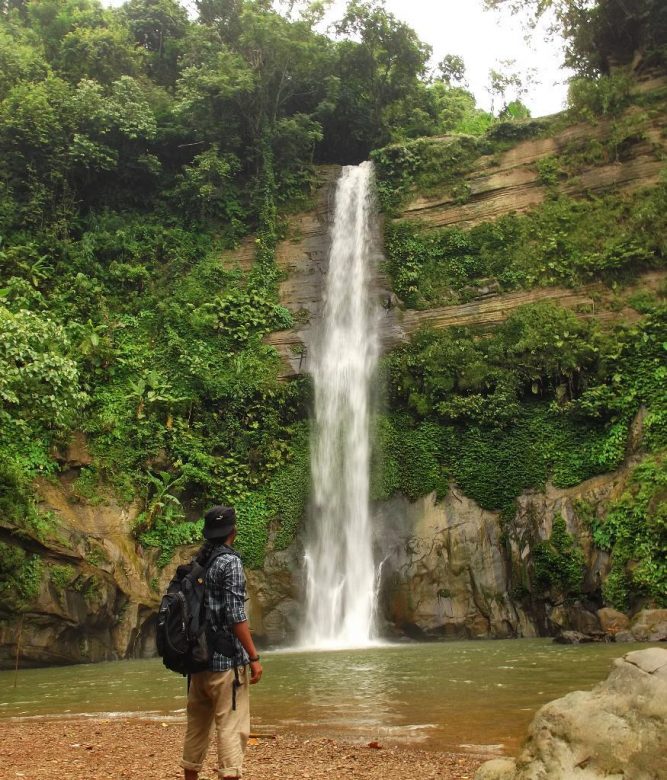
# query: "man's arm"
{"points": [[242, 633], [235, 604]]}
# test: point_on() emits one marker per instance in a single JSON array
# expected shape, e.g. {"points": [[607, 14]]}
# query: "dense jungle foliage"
{"points": [[547, 396], [138, 145]]}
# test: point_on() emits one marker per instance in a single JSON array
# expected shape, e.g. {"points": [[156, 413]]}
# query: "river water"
{"points": [[459, 696]]}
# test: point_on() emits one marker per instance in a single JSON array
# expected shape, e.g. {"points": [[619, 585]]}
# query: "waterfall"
{"points": [[341, 578]]}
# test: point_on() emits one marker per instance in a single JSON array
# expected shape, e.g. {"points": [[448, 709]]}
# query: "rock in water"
{"points": [[577, 638], [617, 730], [612, 621], [650, 625]]}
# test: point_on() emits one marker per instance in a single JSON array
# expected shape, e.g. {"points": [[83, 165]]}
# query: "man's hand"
{"points": [[255, 672], [242, 633]]}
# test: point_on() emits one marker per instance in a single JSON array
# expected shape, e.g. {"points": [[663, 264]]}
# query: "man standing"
{"points": [[221, 693]]}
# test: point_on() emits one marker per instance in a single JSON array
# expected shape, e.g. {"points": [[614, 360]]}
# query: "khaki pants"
{"points": [[209, 700]]}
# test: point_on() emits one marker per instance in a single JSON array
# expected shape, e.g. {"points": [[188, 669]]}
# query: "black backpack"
{"points": [[185, 638]]}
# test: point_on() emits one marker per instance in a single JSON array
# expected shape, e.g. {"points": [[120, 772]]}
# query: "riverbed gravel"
{"points": [[133, 749]]}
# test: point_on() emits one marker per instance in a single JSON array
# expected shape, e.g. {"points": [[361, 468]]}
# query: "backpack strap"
{"points": [[223, 549]]}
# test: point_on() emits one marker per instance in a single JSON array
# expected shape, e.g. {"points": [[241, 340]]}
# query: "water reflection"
{"points": [[457, 695]]}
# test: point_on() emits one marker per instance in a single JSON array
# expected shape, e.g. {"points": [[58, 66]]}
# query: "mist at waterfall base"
{"points": [[341, 578]]}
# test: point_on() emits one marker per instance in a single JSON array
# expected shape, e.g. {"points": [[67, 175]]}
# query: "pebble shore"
{"points": [[133, 749]]}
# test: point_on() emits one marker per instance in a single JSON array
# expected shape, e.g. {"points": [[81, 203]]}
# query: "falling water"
{"points": [[341, 577]]}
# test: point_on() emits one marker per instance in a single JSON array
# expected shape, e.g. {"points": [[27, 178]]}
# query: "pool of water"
{"points": [[461, 696]]}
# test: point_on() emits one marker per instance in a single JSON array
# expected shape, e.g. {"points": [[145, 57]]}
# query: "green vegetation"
{"points": [[558, 563], [427, 166], [61, 575], [546, 395], [562, 242], [635, 532], [605, 34], [20, 576], [138, 145]]}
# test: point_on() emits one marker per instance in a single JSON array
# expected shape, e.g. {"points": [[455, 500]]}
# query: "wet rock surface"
{"points": [[619, 729], [649, 625], [451, 568], [445, 574], [94, 597]]}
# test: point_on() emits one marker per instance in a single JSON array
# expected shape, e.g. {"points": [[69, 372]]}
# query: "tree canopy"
{"points": [[602, 34]]}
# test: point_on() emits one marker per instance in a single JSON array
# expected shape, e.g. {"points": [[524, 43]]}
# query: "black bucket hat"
{"points": [[219, 522]]}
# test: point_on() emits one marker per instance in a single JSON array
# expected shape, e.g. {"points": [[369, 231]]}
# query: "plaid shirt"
{"points": [[225, 598]]}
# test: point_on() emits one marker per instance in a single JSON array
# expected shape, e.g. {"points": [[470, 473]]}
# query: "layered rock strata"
{"points": [[499, 185], [511, 183]]}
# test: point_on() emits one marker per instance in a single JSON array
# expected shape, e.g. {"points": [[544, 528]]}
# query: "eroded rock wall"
{"points": [[97, 593], [99, 590], [453, 569], [511, 182], [450, 569], [499, 184]]}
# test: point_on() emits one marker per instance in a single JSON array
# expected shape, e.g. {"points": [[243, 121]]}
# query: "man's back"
{"points": [[225, 599]]}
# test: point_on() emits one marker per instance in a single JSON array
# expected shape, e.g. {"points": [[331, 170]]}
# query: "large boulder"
{"points": [[612, 621], [650, 625], [617, 730]]}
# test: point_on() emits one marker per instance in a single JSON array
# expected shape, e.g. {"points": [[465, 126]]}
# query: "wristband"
{"points": [[254, 659]]}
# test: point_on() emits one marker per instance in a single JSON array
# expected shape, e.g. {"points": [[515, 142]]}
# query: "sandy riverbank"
{"points": [[135, 749]]}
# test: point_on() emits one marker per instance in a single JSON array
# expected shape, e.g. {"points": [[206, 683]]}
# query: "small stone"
{"points": [[498, 769]]}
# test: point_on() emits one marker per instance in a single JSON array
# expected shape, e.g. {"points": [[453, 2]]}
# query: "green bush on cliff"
{"points": [[634, 530], [567, 241], [430, 166], [410, 458], [61, 575], [40, 397], [546, 396], [20, 576], [289, 489], [558, 563], [423, 165]]}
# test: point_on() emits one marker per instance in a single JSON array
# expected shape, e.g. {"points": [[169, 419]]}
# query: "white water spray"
{"points": [[341, 578]]}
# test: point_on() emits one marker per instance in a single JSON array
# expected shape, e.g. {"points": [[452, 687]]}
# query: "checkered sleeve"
{"points": [[230, 590]]}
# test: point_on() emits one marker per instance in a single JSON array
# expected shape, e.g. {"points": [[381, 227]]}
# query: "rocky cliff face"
{"points": [[94, 599], [450, 570], [98, 590], [511, 182], [501, 184], [454, 570]]}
